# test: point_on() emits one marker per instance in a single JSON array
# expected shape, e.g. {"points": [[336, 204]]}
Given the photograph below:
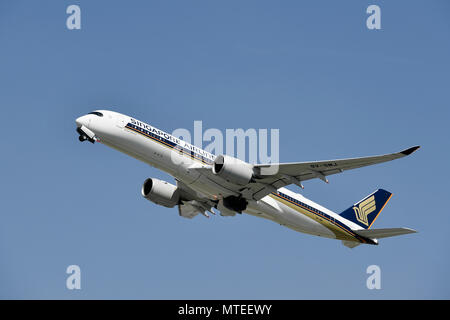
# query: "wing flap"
{"points": [[190, 209], [187, 211]]}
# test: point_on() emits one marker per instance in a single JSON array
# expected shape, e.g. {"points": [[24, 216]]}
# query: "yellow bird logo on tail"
{"points": [[365, 208]]}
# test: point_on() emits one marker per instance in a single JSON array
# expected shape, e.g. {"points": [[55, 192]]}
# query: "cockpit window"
{"points": [[96, 113]]}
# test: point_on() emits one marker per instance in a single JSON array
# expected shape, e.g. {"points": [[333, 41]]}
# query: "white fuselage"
{"points": [[162, 150]]}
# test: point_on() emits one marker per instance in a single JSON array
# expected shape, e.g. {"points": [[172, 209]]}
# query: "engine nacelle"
{"points": [[161, 192], [233, 170]]}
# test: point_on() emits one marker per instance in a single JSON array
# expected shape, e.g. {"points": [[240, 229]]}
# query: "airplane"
{"points": [[206, 182]]}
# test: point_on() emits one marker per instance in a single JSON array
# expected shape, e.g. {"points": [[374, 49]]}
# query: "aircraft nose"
{"points": [[82, 121]]}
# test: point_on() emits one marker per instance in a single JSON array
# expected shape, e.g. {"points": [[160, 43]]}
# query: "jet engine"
{"points": [[233, 170], [161, 192]]}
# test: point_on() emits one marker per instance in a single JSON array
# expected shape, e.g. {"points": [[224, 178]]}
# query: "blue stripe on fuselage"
{"points": [[319, 213], [168, 143]]}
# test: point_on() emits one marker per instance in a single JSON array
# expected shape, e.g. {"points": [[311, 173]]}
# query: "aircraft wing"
{"points": [[190, 209], [271, 177], [193, 203]]}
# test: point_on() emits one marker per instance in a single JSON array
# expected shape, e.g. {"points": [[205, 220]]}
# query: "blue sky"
{"points": [[309, 68]]}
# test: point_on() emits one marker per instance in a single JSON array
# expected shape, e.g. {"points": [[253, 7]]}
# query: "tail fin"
{"points": [[365, 212]]}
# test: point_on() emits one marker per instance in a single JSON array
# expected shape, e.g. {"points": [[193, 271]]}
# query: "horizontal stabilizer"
{"points": [[350, 244], [383, 233]]}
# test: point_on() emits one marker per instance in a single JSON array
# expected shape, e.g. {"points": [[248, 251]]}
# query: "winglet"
{"points": [[407, 152]]}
